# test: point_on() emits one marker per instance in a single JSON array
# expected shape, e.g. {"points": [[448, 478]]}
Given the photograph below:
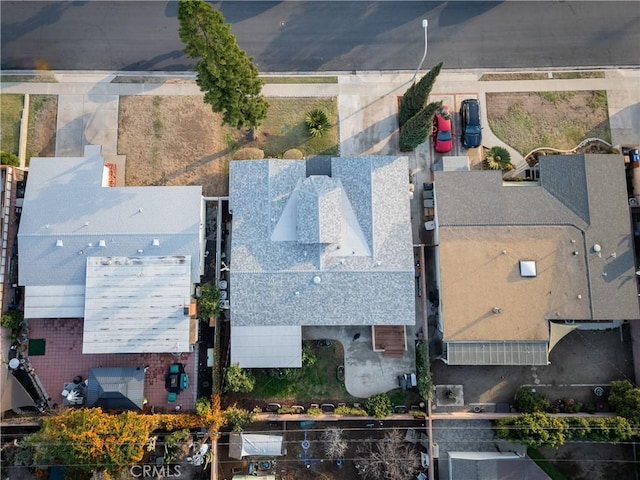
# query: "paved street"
{"points": [[298, 36]]}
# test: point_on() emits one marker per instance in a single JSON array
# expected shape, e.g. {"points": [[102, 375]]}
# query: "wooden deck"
{"points": [[390, 339]]}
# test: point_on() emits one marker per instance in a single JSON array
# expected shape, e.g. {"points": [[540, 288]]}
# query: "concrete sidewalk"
{"points": [[367, 103]]}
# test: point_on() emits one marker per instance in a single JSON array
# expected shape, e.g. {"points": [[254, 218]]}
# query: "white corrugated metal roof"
{"points": [[137, 304], [266, 346], [54, 301]]}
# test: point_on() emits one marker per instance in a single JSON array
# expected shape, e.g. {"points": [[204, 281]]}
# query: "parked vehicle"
{"points": [[470, 123], [442, 138]]}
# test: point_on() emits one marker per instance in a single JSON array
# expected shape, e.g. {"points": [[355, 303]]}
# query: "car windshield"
{"points": [[444, 135]]}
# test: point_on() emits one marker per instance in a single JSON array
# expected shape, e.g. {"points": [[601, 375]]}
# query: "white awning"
{"points": [[54, 301], [251, 445], [266, 346]]}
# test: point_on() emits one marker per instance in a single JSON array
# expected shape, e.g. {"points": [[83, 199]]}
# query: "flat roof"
{"points": [[480, 272]]}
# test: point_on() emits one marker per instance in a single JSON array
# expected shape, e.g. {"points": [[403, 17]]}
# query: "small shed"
{"points": [[116, 388], [254, 445]]}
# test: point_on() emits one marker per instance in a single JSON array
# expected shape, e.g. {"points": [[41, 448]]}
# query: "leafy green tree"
{"points": [[209, 301], [417, 129], [579, 428], [238, 380], [225, 73], [528, 401], [415, 98], [237, 418], [610, 429], [87, 439], [534, 429], [8, 158], [378, 405], [625, 398]]}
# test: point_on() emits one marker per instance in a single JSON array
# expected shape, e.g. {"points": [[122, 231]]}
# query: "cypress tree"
{"points": [[225, 73], [418, 127], [417, 94]]}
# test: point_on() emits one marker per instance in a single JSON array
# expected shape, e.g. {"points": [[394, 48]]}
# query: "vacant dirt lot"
{"points": [[173, 141], [592, 461]]}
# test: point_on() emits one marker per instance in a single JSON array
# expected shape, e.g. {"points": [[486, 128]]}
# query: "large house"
{"points": [[316, 244], [523, 263], [125, 259]]}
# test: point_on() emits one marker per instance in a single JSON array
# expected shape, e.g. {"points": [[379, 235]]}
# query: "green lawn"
{"points": [[10, 114], [313, 383], [284, 128]]}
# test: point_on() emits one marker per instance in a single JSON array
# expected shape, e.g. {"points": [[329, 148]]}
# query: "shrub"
{"points": [[626, 401], [237, 417], [238, 380], [288, 410], [356, 412], [11, 319], [309, 358], [8, 158], [417, 414], [498, 158], [293, 154], [423, 370], [317, 122], [209, 301], [378, 405], [248, 153], [528, 401], [314, 412]]}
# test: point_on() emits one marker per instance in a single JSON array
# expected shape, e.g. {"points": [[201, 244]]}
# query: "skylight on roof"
{"points": [[528, 268]]}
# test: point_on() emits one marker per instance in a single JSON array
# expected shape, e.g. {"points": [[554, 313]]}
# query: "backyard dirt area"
{"points": [[592, 461], [528, 120], [173, 141]]}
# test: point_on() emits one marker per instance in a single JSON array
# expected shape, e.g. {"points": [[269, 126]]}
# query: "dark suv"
{"points": [[470, 118]]}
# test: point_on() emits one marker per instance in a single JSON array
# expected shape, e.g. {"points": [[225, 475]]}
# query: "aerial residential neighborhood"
{"points": [[232, 250]]}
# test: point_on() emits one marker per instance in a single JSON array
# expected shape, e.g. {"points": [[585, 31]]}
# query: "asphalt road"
{"points": [[294, 36]]}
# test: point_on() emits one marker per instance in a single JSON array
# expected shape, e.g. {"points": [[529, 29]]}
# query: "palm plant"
{"points": [[498, 158], [317, 122]]}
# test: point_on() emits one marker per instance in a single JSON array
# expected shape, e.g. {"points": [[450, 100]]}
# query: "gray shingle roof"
{"points": [[364, 277], [65, 201], [587, 192], [116, 388]]}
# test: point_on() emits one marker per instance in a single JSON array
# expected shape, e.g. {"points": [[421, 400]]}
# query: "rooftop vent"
{"points": [[102, 243], [317, 280], [140, 250], [156, 242], [528, 268], [59, 243]]}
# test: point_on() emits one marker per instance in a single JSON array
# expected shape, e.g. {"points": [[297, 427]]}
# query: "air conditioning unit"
{"points": [[633, 202]]}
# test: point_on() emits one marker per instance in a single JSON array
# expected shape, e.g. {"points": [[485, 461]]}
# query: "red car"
{"points": [[442, 138]]}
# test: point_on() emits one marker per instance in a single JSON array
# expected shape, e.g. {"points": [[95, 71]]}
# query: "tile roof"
{"points": [[292, 265]]}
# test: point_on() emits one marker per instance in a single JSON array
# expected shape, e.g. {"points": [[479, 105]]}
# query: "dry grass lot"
{"points": [[561, 120], [178, 140]]}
